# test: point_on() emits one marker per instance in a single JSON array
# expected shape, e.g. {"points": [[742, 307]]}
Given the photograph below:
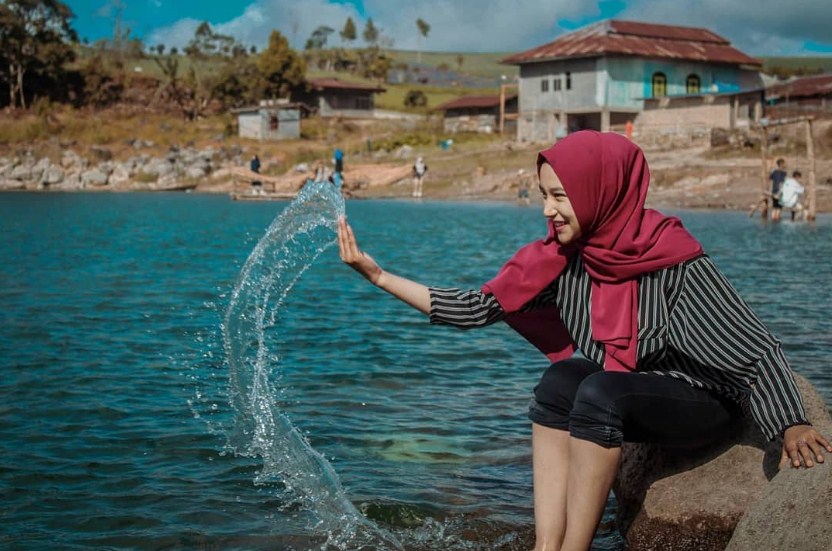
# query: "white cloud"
{"points": [[761, 27], [765, 27], [178, 34]]}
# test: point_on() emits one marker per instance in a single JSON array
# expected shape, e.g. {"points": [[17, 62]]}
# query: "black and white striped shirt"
{"points": [[693, 325]]}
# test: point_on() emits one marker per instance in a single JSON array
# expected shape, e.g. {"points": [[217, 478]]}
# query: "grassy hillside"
{"points": [[476, 64], [806, 64]]}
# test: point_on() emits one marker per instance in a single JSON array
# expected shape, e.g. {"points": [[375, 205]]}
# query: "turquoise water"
{"points": [[115, 380]]}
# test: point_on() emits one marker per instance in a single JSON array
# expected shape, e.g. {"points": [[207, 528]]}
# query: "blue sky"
{"points": [[767, 28]]}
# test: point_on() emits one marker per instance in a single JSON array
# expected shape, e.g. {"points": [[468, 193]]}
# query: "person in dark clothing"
{"points": [[254, 165], [777, 177], [670, 353]]}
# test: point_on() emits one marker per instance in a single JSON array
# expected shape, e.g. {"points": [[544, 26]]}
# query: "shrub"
{"points": [[415, 98]]}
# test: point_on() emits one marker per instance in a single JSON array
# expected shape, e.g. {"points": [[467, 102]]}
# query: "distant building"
{"points": [[600, 76], [271, 120], [808, 93], [478, 114], [330, 97]]}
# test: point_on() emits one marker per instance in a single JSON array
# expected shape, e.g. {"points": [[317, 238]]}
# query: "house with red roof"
{"points": [[331, 97], [807, 93], [478, 114], [599, 77]]}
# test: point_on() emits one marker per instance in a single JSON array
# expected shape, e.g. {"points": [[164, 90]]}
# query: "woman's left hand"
{"points": [[803, 445]]}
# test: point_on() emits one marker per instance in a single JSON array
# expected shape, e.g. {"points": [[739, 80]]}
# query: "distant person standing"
{"points": [[791, 194], [338, 175], [254, 165], [777, 177], [419, 171], [523, 196]]}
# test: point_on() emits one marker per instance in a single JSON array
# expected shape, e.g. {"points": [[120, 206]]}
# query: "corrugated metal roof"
{"points": [[472, 102], [334, 83], [637, 39], [820, 85]]}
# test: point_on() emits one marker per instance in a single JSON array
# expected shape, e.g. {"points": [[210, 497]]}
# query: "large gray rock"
{"points": [[94, 177], [22, 173], [693, 500], [795, 508]]}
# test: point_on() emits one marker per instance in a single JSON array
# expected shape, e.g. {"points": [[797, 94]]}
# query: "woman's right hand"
{"points": [[354, 257]]}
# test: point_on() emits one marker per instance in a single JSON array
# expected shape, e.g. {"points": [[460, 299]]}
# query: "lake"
{"points": [[114, 380]]}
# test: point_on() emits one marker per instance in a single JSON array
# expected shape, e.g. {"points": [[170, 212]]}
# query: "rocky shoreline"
{"points": [[179, 169], [681, 178]]}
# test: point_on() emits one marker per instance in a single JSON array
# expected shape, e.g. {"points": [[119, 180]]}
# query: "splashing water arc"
{"points": [[296, 238]]}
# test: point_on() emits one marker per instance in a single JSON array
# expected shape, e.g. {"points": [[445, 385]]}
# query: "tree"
{"points": [[35, 37], [317, 40], [206, 43], [348, 33], [281, 67], [424, 29], [214, 60], [370, 33], [460, 59]]}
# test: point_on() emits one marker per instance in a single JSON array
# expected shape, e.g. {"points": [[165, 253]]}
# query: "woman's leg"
{"points": [[550, 459], [612, 407], [592, 470], [550, 413]]}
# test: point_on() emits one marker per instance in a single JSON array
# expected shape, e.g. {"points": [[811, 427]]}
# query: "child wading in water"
{"points": [[671, 353]]}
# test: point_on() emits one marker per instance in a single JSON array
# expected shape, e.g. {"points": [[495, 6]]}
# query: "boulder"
{"points": [[51, 176], [795, 508], [94, 178], [22, 173], [694, 499], [70, 159], [120, 176]]}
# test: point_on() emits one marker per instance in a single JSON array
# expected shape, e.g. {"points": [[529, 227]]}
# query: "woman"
{"points": [[670, 353]]}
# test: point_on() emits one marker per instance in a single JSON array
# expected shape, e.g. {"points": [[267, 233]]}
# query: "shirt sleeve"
{"points": [[712, 325], [463, 309]]}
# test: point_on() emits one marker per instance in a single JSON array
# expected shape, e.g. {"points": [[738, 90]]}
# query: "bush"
{"points": [[415, 98]]}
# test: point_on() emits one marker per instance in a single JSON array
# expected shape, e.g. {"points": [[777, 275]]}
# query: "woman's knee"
{"points": [[555, 393], [594, 414]]}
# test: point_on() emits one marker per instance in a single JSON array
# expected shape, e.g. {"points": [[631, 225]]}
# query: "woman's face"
{"points": [[557, 207]]}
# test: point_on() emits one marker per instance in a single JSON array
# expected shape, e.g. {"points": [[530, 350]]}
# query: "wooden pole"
{"points": [[763, 159], [810, 152], [502, 108]]}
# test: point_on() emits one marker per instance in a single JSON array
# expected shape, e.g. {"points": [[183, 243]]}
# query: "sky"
{"points": [[757, 27]]}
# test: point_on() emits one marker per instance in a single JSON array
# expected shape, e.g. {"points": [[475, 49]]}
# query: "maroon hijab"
{"points": [[605, 177]]}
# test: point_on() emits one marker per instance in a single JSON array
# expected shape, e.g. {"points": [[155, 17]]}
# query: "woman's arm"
{"points": [[715, 327], [410, 292], [462, 309]]}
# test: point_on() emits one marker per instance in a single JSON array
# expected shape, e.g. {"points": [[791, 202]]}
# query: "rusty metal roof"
{"points": [[819, 85], [632, 38], [336, 84], [468, 102]]}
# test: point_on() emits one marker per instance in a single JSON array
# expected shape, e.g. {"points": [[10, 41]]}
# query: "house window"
{"points": [[568, 81], [273, 123], [544, 85], [556, 85], [693, 84], [659, 85], [362, 103]]}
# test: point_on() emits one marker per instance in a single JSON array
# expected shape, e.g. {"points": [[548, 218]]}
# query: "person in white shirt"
{"points": [[791, 194], [419, 170]]}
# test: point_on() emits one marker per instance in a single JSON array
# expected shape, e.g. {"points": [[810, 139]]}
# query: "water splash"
{"points": [[292, 243]]}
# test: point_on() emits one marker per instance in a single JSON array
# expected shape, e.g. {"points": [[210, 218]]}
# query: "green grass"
{"points": [[807, 64], [475, 64]]}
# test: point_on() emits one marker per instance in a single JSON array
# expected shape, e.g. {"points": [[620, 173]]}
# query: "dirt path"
{"points": [[683, 178]]}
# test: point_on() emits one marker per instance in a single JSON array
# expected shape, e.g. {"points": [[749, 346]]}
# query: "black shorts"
{"points": [[775, 203], [608, 407]]}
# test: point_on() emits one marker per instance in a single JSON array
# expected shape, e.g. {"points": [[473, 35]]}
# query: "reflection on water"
{"points": [[110, 309]]}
